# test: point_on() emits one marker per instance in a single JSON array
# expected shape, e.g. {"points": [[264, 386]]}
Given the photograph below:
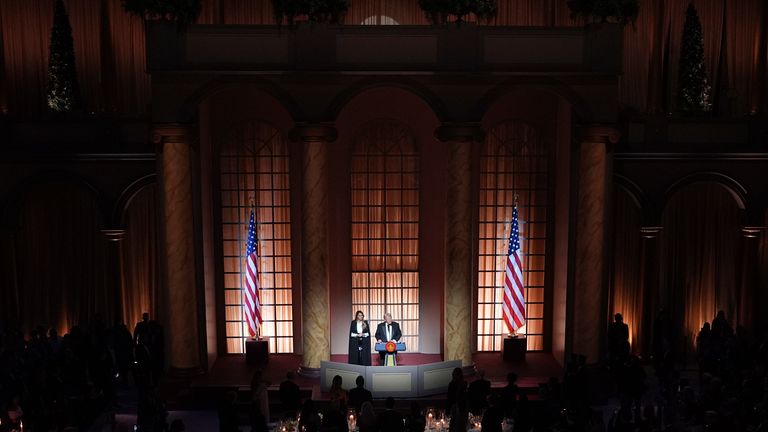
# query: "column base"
{"points": [[469, 370], [308, 372], [176, 372]]}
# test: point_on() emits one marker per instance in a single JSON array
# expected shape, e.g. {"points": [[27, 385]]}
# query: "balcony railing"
{"points": [[225, 48]]}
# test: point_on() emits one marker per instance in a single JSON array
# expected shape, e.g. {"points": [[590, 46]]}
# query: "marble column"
{"points": [[114, 239], [459, 140], [182, 339], [315, 139], [590, 293], [649, 274], [750, 278]]}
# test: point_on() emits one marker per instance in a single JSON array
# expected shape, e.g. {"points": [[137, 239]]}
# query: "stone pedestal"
{"points": [[182, 340], [514, 349], [459, 139], [314, 245], [257, 351], [589, 299]]}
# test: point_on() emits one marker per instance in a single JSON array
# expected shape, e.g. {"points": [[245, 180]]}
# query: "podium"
{"points": [[257, 351], [390, 350], [514, 349]]}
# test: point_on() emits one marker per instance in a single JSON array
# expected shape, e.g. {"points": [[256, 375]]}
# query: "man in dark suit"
{"points": [[359, 394], [391, 420], [387, 331], [290, 395], [478, 393]]}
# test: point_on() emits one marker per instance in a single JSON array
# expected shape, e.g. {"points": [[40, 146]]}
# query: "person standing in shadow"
{"points": [[290, 395], [478, 393]]}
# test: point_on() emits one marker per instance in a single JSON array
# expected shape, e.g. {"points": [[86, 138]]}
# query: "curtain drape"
{"points": [[140, 256], [762, 289], [26, 26], [744, 19], [109, 55], [385, 225], [627, 296], [699, 257], [110, 51], [59, 252]]}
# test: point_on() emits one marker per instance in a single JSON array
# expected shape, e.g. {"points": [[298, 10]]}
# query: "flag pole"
{"points": [[513, 333], [252, 200]]}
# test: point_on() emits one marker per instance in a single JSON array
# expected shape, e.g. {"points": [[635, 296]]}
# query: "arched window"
{"points": [[385, 226], [379, 20], [254, 168], [513, 162]]}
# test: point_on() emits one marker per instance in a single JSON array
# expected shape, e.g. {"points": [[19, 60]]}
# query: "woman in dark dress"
{"points": [[359, 340]]}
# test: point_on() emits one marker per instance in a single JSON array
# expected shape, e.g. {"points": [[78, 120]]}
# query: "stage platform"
{"points": [[230, 372]]}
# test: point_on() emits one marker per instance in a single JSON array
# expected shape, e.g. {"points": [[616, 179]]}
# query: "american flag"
{"points": [[514, 300], [251, 301]]}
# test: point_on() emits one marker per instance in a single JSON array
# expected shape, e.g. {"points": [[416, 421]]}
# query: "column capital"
{"points": [[752, 231], [650, 232], [462, 132], [113, 235], [171, 133], [596, 133], [314, 132]]}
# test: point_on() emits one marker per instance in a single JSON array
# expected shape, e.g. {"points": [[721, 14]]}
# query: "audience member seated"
{"points": [[493, 416], [415, 422], [228, 419], [337, 393], [359, 394], [366, 421], [177, 426], [310, 418], [390, 420], [334, 418]]}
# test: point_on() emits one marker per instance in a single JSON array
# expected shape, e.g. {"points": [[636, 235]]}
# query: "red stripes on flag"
{"points": [[514, 300], [251, 300]]}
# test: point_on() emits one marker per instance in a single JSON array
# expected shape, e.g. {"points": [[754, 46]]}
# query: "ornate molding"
{"points": [[314, 132], [752, 231], [462, 132], [113, 235], [172, 133], [599, 134], [650, 232]]}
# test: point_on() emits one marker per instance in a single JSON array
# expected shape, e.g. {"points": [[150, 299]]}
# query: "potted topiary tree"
{"points": [[183, 12], [692, 84], [620, 11], [314, 11], [440, 11], [63, 92]]}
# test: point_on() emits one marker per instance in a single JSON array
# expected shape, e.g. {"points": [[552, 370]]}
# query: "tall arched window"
{"points": [[385, 227], [513, 162], [254, 169]]}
